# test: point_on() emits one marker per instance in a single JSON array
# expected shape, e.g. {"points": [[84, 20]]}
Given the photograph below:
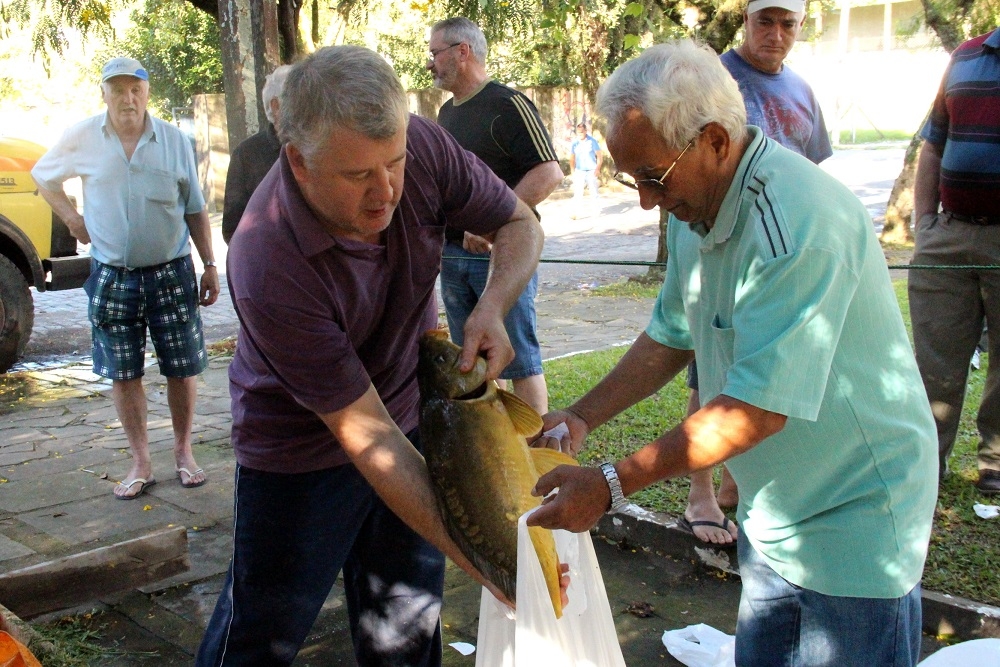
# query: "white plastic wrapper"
{"points": [[585, 636], [986, 511], [701, 646]]}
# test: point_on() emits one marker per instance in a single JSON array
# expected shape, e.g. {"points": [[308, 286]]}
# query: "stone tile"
{"points": [[16, 458], [105, 516], [209, 504], [8, 421], [10, 549], [48, 492], [22, 446], [96, 459], [15, 436]]}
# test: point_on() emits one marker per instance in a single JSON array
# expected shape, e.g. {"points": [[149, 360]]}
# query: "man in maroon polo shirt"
{"points": [[332, 273]]}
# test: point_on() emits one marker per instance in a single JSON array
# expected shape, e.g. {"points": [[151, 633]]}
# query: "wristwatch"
{"points": [[618, 499], [209, 263]]}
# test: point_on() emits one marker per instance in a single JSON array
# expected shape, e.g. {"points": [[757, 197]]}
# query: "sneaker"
{"points": [[975, 359], [989, 481]]}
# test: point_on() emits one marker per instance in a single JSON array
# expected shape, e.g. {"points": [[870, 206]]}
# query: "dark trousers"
{"points": [[292, 535]]}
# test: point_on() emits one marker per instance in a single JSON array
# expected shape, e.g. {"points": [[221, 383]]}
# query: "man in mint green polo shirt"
{"points": [[809, 387]]}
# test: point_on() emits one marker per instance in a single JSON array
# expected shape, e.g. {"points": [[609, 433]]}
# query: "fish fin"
{"points": [[545, 548], [525, 419], [504, 579], [457, 522], [546, 459]]}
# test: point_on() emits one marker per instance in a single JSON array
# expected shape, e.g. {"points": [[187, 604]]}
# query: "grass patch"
{"points": [[77, 644], [964, 556], [871, 136]]}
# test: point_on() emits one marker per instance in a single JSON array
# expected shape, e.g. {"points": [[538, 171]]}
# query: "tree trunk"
{"points": [[898, 211]]}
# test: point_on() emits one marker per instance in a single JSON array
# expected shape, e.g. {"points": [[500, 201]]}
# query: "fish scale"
{"points": [[473, 437]]}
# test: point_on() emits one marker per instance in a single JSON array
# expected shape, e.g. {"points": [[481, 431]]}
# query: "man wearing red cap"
{"points": [[143, 206]]}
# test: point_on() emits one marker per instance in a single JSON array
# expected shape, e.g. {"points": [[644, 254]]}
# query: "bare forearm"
{"points": [[644, 369], [514, 259], [60, 203], [926, 196], [395, 469], [539, 183], [720, 430], [201, 234]]}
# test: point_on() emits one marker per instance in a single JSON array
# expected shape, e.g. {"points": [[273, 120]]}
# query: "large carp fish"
{"points": [[474, 439]]}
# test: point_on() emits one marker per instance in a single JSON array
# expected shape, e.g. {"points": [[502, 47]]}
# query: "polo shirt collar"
{"points": [[725, 220], [148, 132], [993, 41]]}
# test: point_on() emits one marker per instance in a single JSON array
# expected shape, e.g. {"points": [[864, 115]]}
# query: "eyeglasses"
{"points": [[434, 53], [655, 183]]}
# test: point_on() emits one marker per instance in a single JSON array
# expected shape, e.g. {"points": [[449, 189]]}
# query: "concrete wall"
{"points": [[212, 147]]}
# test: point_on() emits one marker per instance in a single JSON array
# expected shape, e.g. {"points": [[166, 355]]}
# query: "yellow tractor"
{"points": [[36, 248]]}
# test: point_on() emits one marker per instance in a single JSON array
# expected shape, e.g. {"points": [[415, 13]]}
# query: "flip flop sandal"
{"points": [[144, 484], [688, 526], [189, 484]]}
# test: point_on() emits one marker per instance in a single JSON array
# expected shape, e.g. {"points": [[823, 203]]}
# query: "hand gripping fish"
{"points": [[474, 439]]}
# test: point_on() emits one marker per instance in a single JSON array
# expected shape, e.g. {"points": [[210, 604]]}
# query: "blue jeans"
{"points": [[462, 283], [292, 534], [785, 625]]}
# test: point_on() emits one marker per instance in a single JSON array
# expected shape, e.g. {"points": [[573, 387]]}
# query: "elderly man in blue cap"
{"points": [[143, 206]]}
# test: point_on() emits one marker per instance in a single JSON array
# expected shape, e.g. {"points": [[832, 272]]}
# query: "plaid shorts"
{"points": [[124, 302]]}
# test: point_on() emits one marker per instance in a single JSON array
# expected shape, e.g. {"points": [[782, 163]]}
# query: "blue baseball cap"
{"points": [[123, 67]]}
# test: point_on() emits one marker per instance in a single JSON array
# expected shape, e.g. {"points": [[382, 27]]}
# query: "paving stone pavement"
{"points": [[62, 449]]}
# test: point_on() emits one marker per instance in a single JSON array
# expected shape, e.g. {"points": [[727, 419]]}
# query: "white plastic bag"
{"points": [[585, 636], [701, 646], [973, 653]]}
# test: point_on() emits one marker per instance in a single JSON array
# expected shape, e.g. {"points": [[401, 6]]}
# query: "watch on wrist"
{"points": [[209, 263], [618, 500]]}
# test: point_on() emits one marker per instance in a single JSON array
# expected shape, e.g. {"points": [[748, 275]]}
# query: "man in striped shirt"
{"points": [[502, 128], [956, 211]]}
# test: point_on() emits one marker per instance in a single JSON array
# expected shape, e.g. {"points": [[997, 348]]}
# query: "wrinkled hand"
{"points": [[582, 499], [209, 292], [568, 439], [78, 228], [486, 335], [478, 244]]}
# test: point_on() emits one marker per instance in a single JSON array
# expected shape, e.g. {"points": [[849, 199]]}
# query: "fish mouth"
{"points": [[478, 392]]}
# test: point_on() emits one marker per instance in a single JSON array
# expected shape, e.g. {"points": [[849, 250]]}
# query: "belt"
{"points": [[981, 220]]}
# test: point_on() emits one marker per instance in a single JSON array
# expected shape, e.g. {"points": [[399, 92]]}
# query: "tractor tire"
{"points": [[17, 314]]}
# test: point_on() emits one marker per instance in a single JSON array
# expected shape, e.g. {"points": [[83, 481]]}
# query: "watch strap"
{"points": [[618, 500]]}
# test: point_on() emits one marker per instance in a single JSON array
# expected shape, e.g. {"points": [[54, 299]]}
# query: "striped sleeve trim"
{"points": [[535, 130], [770, 228]]}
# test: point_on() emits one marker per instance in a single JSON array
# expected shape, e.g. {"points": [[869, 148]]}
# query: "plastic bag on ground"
{"points": [[585, 636], [973, 653], [701, 646]]}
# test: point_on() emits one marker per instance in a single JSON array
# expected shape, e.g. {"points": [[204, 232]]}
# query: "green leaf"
{"points": [[634, 9], [631, 41]]}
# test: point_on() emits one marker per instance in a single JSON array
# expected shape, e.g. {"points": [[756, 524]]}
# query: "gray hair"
{"points": [[680, 86], [460, 30], [273, 84], [345, 87]]}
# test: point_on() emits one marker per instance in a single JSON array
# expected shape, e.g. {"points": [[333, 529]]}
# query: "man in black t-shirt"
{"points": [[502, 127]]}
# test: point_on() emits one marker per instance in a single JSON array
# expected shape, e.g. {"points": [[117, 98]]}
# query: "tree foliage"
{"points": [[179, 46], [49, 20]]}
